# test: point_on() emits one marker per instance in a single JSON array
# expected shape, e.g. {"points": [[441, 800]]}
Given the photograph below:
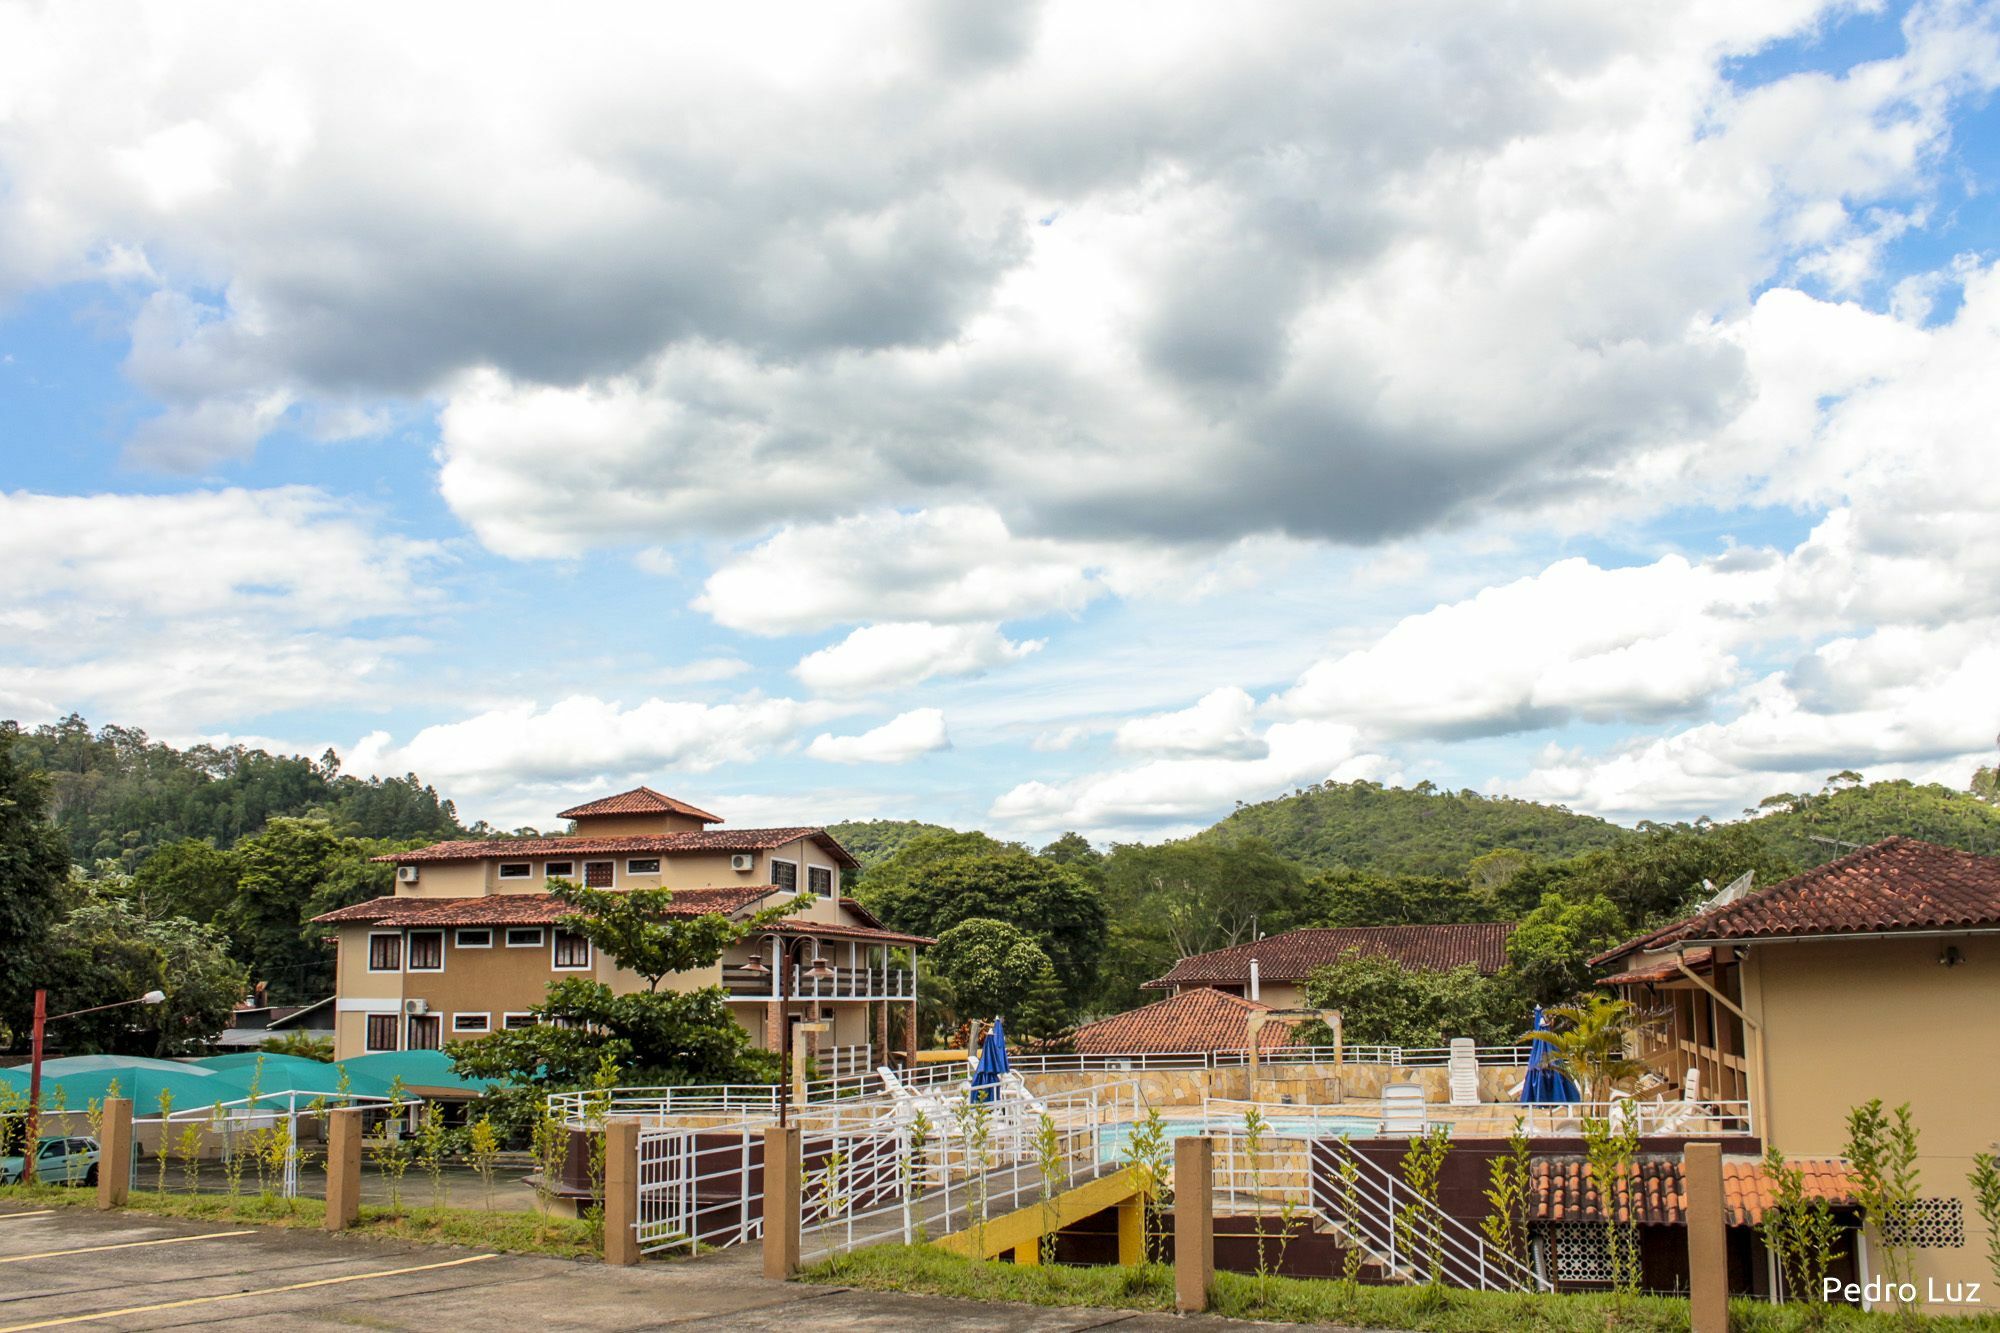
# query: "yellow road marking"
{"points": [[121, 1245], [9, 1217], [238, 1295]]}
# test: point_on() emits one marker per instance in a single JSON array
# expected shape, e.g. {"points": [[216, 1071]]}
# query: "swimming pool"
{"points": [[1113, 1139]]}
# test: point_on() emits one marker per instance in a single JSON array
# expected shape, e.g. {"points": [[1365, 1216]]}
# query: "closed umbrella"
{"points": [[1545, 1085], [992, 1064]]}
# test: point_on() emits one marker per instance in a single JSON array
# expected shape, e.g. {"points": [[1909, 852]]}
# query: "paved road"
{"points": [[77, 1268]]}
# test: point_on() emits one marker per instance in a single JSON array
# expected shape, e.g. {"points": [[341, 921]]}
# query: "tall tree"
{"points": [[634, 926], [34, 868], [105, 952]]}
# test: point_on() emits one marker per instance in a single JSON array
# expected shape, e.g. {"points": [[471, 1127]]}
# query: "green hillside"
{"points": [[874, 841], [1410, 831], [1811, 828]]}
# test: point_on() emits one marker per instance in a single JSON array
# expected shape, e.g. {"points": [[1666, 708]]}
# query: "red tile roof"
{"points": [[863, 934], [1194, 1020], [638, 801], [666, 844], [528, 909], [1562, 1190], [1898, 884], [1699, 961], [1297, 954]]}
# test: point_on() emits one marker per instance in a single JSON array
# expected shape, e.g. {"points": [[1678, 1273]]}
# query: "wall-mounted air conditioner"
{"points": [[406, 874], [742, 862], [416, 1006]]}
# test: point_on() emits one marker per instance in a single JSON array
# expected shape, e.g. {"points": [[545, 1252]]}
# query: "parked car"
{"points": [[61, 1161]]}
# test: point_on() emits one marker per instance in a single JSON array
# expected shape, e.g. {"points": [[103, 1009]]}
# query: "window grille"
{"points": [[1578, 1251], [1931, 1224]]}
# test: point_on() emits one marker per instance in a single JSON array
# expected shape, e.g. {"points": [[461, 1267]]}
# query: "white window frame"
{"points": [[541, 938], [633, 861], [777, 861], [438, 931], [568, 870], [832, 882], [458, 1028], [507, 1023], [402, 954], [589, 952], [526, 869], [396, 1024], [458, 937]]}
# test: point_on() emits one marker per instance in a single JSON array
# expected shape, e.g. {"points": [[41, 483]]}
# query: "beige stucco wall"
{"points": [[474, 879], [636, 826], [1318, 1084], [1847, 1022]]}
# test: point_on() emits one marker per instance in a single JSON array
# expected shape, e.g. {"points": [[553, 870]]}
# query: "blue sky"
{"points": [[1033, 419]]}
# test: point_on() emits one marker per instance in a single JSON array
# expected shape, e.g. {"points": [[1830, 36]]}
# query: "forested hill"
{"points": [[874, 841], [1419, 830], [1811, 828], [116, 794]]}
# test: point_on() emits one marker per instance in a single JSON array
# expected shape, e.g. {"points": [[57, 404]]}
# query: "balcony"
{"points": [[844, 983]]}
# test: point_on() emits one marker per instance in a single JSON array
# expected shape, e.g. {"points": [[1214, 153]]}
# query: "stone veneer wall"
{"points": [[1305, 1084]]}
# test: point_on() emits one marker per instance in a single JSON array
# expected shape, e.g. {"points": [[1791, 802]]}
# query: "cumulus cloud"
{"points": [[1221, 723], [895, 656], [903, 738], [1169, 794]]}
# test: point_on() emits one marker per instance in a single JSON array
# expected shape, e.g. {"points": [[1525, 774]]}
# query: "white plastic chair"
{"points": [[1403, 1111], [1463, 1070]]}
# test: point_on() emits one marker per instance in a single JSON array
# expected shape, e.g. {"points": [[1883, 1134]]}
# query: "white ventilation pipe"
{"points": [[1256, 983]]}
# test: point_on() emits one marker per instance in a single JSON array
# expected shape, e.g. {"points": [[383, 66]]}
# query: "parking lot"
{"points": [[78, 1268]]}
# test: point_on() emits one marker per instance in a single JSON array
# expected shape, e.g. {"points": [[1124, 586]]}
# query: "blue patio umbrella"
{"points": [[992, 1064], [1545, 1085]]}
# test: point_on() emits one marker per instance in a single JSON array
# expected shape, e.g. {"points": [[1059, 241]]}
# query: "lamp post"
{"points": [[818, 970], [42, 1020]]}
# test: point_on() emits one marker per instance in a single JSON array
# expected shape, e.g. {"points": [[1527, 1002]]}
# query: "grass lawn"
{"points": [[513, 1232], [922, 1268]]}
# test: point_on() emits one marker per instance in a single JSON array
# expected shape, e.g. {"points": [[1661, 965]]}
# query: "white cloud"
{"points": [[898, 655], [702, 671], [897, 741], [1221, 723], [1167, 795]]}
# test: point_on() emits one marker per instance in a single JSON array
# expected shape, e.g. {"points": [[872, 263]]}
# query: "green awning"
{"points": [[417, 1069]]}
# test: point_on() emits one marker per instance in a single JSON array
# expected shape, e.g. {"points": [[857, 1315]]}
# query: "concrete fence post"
{"points": [[621, 1192], [1708, 1252], [1194, 1222], [343, 1168], [781, 1202], [114, 1153]]}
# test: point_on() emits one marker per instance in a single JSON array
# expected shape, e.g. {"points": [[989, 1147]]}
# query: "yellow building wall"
{"points": [[1849, 1021]]}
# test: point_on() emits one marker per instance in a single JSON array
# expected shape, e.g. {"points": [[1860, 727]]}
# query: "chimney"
{"points": [[1256, 982], [259, 994]]}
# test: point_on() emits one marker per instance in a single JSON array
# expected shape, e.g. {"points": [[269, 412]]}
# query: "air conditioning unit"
{"points": [[742, 862], [406, 874], [416, 1006]]}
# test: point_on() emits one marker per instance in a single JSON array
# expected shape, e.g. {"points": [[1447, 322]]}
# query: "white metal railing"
{"points": [[1408, 1237], [842, 983], [580, 1108], [700, 1187]]}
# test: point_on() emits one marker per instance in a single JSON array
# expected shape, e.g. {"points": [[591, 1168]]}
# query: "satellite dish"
{"points": [[1736, 888]]}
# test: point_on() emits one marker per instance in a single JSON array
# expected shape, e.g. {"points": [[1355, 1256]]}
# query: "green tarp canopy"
{"points": [[189, 1086], [417, 1069], [285, 1076]]}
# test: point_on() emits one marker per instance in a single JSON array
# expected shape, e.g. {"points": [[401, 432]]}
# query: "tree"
{"points": [[1589, 1041], [1051, 902], [991, 967], [105, 952], [634, 926], [1655, 876], [1550, 951], [1072, 849], [1043, 1014], [1383, 1003], [286, 875], [34, 869], [189, 877], [1355, 898]]}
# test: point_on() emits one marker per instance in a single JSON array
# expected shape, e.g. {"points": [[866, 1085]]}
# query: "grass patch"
{"points": [[930, 1271], [513, 1233]]}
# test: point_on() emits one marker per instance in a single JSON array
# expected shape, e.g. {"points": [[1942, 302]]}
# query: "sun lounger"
{"points": [[1463, 1071], [1403, 1112]]}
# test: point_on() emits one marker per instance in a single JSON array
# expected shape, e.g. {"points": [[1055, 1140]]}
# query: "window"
{"points": [[426, 951], [469, 938], [514, 1022], [559, 869], [597, 874], [426, 1032], [515, 870], [385, 954], [524, 937], [572, 952], [785, 875], [650, 866], [820, 880], [472, 1022], [381, 1035]]}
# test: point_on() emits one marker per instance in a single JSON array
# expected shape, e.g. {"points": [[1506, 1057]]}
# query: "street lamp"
{"points": [[817, 970], [42, 1019]]}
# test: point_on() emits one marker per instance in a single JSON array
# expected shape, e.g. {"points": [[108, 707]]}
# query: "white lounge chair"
{"points": [[1013, 1085], [1463, 1070], [1403, 1111]]}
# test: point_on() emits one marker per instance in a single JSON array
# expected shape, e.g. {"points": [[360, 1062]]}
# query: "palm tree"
{"points": [[1589, 1043]]}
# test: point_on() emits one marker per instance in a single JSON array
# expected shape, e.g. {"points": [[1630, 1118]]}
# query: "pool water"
{"points": [[1113, 1139]]}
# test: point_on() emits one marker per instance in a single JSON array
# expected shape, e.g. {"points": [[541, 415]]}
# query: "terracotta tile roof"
{"points": [[1897, 884], [863, 934], [1700, 961], [528, 909], [1561, 1189], [1297, 954], [667, 844], [638, 801], [1195, 1020]]}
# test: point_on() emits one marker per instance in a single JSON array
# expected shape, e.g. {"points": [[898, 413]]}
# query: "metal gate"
{"points": [[700, 1187]]}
